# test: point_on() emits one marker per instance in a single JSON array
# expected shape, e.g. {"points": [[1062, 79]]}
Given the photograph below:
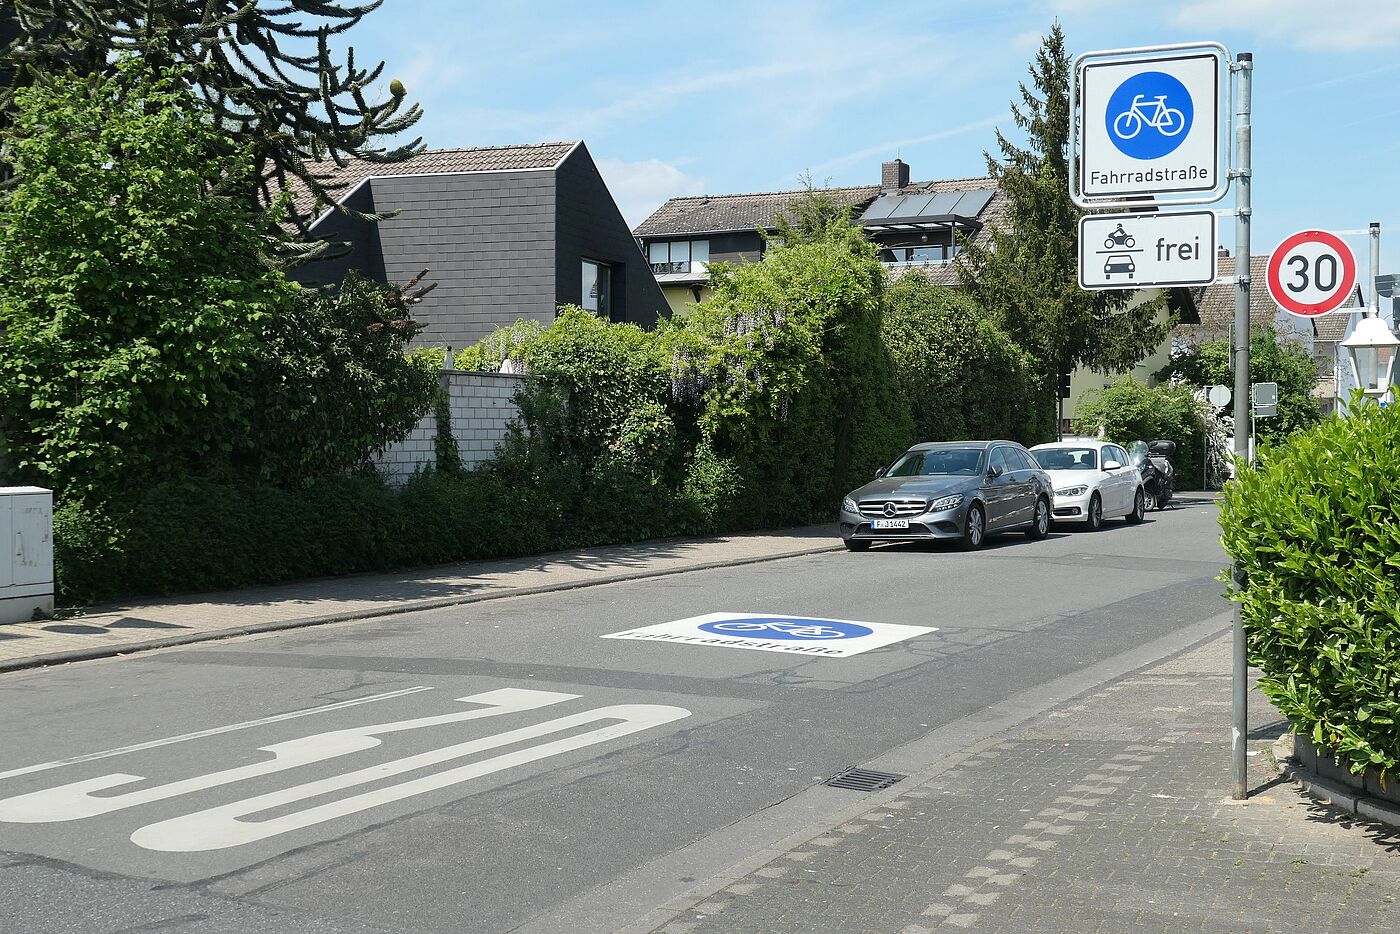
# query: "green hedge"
{"points": [[1316, 527], [960, 374], [207, 535]]}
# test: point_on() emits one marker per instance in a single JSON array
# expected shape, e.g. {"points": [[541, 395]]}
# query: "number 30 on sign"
{"points": [[1311, 273]]}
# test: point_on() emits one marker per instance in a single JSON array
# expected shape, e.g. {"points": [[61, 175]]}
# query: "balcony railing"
{"points": [[661, 269]]}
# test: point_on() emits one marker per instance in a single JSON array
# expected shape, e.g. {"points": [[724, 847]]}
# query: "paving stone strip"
{"points": [[1109, 814], [100, 631]]}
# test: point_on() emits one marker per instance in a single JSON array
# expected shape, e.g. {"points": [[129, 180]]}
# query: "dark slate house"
{"points": [[508, 232], [913, 223]]}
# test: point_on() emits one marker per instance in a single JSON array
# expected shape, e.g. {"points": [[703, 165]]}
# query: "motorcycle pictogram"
{"points": [[1119, 237]]}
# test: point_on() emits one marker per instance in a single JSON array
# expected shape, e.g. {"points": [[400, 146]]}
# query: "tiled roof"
{"points": [[1333, 327], [1217, 302], [713, 213], [442, 162]]}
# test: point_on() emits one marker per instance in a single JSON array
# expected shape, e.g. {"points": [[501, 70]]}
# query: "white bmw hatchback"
{"points": [[1093, 481]]}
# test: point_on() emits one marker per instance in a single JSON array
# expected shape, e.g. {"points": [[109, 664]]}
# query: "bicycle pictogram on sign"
{"points": [[1149, 115]]}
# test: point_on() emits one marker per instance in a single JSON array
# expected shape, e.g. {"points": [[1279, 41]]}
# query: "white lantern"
{"points": [[1372, 349]]}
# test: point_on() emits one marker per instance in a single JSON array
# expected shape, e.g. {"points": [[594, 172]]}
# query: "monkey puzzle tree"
{"points": [[267, 72]]}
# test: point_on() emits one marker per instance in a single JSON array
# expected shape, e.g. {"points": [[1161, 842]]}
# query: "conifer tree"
{"points": [[1028, 274], [267, 71]]}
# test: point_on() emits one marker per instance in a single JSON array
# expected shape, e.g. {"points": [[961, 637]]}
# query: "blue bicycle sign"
{"points": [[784, 627], [1149, 115]]}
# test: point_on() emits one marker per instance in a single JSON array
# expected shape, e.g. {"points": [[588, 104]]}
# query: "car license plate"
{"points": [[889, 524]]}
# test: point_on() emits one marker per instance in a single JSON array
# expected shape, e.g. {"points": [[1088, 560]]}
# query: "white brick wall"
{"points": [[481, 409]]}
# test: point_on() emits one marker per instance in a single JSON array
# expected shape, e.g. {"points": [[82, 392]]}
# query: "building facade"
{"points": [[506, 232], [913, 224]]}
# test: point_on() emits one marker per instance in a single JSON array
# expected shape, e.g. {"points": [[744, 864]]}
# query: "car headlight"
{"points": [[849, 505], [947, 502], [1072, 491]]}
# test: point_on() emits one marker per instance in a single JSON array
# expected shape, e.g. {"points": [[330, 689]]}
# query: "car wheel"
{"points": [[853, 544], [1040, 525], [1139, 508], [1095, 515], [974, 529]]}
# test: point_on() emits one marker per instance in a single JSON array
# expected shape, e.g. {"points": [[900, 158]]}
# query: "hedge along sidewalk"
{"points": [[113, 630]]}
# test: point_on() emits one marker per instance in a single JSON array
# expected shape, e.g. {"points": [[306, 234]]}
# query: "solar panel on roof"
{"points": [[915, 206], [943, 203], [971, 203], [882, 207]]}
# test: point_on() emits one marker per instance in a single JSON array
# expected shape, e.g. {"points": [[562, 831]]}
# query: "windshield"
{"points": [[1066, 459], [939, 462], [1137, 451]]}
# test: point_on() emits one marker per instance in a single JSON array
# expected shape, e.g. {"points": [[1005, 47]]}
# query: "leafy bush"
{"points": [[329, 384], [131, 285], [960, 374], [505, 343], [1270, 361], [1130, 410], [794, 386], [1316, 529]]}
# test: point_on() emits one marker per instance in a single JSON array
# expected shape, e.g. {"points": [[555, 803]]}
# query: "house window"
{"points": [[597, 291], [930, 253], [668, 256]]}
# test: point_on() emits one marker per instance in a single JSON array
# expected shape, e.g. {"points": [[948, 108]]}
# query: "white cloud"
{"points": [[1027, 41], [640, 187], [1339, 25]]}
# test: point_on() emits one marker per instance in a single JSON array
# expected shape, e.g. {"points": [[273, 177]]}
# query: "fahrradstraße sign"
{"points": [[1149, 123]]}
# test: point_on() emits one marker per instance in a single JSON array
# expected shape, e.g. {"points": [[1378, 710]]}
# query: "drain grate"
{"points": [[864, 780]]}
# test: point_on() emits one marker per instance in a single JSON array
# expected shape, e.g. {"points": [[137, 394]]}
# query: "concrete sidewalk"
{"points": [[110, 630], [1108, 814]]}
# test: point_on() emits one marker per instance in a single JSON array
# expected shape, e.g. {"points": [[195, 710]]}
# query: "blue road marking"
{"points": [[797, 628]]}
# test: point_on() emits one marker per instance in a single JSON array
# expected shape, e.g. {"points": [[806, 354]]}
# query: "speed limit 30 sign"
{"points": [[1311, 273]]}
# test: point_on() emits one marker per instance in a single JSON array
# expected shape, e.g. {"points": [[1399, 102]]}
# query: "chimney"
{"points": [[1222, 251], [894, 175]]}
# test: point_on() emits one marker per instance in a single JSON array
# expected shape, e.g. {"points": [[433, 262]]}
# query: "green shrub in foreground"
{"points": [[1317, 529]]}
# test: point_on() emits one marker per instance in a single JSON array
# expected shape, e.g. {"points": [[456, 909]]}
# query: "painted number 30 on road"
{"points": [[1311, 273]]}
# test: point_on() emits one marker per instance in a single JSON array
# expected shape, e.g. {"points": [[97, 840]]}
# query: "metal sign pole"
{"points": [[1243, 66], [1375, 232]]}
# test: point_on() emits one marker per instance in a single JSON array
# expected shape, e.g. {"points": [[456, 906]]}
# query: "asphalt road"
{"points": [[502, 767]]}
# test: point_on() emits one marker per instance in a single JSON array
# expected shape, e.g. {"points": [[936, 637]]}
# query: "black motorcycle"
{"points": [[1153, 462]]}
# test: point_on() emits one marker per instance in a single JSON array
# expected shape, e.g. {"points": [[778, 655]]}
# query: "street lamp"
{"points": [[1372, 350]]}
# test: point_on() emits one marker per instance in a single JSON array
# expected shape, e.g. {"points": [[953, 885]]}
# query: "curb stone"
{"points": [[408, 606], [1330, 793]]}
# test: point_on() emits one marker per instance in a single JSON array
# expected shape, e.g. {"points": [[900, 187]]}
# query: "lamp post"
{"points": [[1371, 347]]}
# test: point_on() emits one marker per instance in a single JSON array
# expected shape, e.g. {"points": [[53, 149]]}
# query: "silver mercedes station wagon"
{"points": [[960, 490]]}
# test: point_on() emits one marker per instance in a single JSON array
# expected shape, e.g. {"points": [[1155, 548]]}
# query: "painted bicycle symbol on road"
{"points": [[1149, 115], [777, 627]]}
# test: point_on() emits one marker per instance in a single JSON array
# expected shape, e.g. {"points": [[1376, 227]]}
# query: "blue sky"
{"points": [[685, 98]]}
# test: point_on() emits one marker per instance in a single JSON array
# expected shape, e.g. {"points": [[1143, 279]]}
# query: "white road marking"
{"points": [[75, 801], [184, 737], [220, 827], [766, 632]]}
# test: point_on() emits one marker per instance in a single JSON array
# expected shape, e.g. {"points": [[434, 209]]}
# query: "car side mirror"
{"points": [[1112, 465], [879, 472], [993, 473]]}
